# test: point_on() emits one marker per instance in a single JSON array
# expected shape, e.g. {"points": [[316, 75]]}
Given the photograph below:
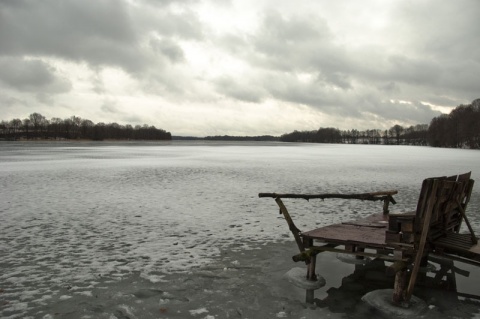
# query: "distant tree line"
{"points": [[241, 138], [459, 129], [398, 135], [36, 126]]}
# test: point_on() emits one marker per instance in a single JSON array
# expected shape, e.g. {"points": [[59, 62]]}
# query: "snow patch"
{"points": [[198, 311], [84, 293]]}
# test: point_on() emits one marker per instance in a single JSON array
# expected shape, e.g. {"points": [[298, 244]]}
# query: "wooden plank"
{"points": [[374, 196], [392, 236], [385, 196], [349, 234], [314, 250], [430, 203]]}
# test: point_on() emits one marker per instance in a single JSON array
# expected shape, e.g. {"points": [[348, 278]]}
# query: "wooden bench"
{"points": [[405, 240]]}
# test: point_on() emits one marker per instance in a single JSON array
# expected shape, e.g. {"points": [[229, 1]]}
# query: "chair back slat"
{"points": [[440, 200]]}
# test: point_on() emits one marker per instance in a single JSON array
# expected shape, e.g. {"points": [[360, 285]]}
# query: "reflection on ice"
{"points": [[438, 293], [85, 227]]}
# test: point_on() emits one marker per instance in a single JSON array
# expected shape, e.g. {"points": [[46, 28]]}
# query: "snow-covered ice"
{"points": [[80, 220]]}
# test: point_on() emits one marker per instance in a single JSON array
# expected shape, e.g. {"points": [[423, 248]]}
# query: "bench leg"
{"points": [[313, 277]]}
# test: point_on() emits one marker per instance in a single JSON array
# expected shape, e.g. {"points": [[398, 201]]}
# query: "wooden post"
{"points": [[386, 202], [295, 231], [399, 287], [310, 294]]}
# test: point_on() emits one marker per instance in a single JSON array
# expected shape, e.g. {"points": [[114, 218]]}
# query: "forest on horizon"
{"points": [[458, 129], [36, 126]]}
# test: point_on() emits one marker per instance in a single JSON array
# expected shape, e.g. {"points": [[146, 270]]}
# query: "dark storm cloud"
{"points": [[32, 75]]}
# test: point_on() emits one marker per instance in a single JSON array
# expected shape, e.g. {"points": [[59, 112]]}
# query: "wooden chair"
{"points": [[403, 239], [437, 220]]}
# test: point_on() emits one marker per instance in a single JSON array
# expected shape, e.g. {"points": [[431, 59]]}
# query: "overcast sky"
{"points": [[243, 67]]}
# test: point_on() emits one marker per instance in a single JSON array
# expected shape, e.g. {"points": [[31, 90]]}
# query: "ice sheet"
{"points": [[73, 215]]}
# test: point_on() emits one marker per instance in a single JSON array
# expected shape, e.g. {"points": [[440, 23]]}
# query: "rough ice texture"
{"points": [[78, 217]]}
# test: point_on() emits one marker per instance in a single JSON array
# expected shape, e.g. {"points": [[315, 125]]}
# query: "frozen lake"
{"points": [[76, 218]]}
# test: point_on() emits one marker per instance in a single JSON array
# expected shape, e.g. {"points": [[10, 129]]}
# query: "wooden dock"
{"points": [[405, 240]]}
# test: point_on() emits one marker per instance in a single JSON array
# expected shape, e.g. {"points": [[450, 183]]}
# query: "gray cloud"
{"points": [[295, 44], [447, 37], [103, 32], [32, 75], [97, 84], [183, 25], [168, 48], [414, 112], [10, 102], [98, 32], [110, 106], [286, 46], [308, 54], [447, 31], [240, 90]]}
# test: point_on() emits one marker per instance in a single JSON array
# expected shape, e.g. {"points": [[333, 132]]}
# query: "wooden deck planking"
{"points": [[349, 234]]}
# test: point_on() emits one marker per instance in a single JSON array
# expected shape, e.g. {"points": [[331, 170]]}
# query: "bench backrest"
{"points": [[440, 203]]}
